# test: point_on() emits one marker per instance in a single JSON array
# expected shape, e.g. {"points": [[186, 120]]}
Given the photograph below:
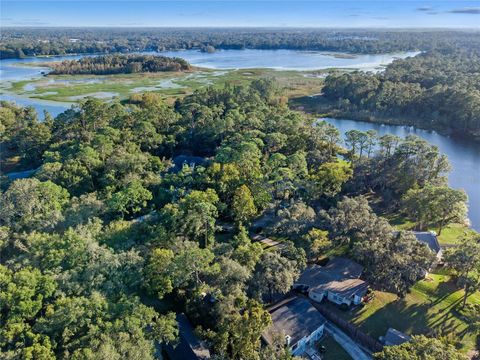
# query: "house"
{"points": [[189, 346], [186, 160], [296, 321], [394, 337], [338, 281], [430, 239]]}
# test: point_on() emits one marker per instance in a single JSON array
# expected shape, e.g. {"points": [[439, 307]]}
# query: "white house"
{"points": [[338, 281], [296, 321]]}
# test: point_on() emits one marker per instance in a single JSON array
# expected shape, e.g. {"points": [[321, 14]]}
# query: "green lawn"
{"points": [[450, 235], [433, 308], [453, 233], [333, 351]]}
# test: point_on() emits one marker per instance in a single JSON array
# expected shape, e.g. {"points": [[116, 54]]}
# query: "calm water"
{"points": [[464, 157], [12, 71], [284, 59]]}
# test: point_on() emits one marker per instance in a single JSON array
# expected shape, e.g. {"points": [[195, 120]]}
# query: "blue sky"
{"points": [[228, 13]]}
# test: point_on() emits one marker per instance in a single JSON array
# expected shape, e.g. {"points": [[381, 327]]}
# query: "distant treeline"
{"points": [[120, 64], [435, 90], [17, 43]]}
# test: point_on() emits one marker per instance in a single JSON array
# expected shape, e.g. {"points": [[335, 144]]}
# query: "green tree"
{"points": [[156, 275], [131, 199], [29, 204], [239, 335], [438, 205], [329, 178], [465, 261], [243, 206], [316, 242], [198, 213], [420, 348], [273, 274]]}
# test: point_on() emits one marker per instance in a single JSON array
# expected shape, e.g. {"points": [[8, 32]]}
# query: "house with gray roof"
{"points": [[430, 239], [189, 346], [338, 281], [296, 321]]}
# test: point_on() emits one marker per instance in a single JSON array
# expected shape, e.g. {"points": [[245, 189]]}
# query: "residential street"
{"points": [[350, 346]]}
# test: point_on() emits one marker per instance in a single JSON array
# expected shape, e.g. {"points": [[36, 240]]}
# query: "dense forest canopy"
{"points": [[20, 42], [433, 90], [119, 64], [109, 235]]}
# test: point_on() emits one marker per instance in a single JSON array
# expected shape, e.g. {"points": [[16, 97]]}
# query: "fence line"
{"points": [[351, 330]]}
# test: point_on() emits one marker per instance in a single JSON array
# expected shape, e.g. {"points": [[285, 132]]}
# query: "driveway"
{"points": [[350, 346]]}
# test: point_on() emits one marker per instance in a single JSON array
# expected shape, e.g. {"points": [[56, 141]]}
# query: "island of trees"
{"points": [[119, 64], [110, 236]]}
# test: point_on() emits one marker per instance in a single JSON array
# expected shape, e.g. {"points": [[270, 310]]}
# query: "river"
{"points": [[464, 157]]}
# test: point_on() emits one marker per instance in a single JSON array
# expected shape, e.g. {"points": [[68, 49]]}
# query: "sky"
{"points": [[231, 13]]}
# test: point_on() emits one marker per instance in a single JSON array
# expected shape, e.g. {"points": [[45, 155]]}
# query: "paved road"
{"points": [[350, 346]]}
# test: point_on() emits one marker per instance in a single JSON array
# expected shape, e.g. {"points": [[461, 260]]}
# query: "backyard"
{"points": [[333, 351], [433, 307]]}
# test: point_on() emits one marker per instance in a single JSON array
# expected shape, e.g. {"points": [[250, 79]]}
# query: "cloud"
{"points": [[425, 8], [466, 10]]}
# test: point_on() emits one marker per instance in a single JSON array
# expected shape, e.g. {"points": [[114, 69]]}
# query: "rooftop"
{"points": [[340, 275], [429, 239], [394, 337], [189, 346], [181, 160], [296, 318]]}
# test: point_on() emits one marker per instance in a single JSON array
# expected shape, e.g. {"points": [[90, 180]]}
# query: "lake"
{"points": [[464, 157], [11, 70]]}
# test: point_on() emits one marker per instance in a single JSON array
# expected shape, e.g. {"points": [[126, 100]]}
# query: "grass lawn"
{"points": [[433, 307], [453, 233], [333, 351], [450, 235]]}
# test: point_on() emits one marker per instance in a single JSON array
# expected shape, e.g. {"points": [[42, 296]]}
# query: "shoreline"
{"points": [[380, 120]]}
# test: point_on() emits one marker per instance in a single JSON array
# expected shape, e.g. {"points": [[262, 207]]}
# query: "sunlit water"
{"points": [[464, 157]]}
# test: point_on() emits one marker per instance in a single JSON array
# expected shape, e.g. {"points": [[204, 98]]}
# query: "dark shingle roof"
{"points": [[180, 160], [428, 239], [394, 337], [189, 346], [296, 318], [337, 269], [340, 275]]}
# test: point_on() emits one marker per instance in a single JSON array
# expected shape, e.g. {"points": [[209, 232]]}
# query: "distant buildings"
{"points": [[297, 322], [338, 281]]}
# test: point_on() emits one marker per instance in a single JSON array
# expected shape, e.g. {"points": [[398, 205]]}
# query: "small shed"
{"points": [[394, 337]]}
